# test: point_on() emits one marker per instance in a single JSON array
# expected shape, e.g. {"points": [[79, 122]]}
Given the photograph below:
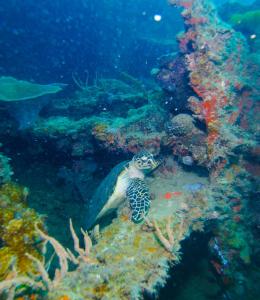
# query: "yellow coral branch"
{"points": [[83, 253], [87, 242], [76, 240], [60, 251], [42, 271], [166, 243], [169, 241], [9, 284]]}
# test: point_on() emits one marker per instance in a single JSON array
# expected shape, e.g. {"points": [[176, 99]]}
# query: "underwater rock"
{"points": [[26, 112], [79, 177], [111, 114], [173, 78], [187, 160], [217, 60], [141, 129], [184, 139], [180, 125], [107, 95], [131, 260]]}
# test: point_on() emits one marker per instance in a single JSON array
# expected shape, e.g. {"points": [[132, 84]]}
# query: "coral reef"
{"points": [[128, 261], [121, 272], [117, 116], [17, 232], [172, 76], [216, 57], [179, 125], [41, 283], [213, 81], [185, 140], [112, 267], [140, 129]]}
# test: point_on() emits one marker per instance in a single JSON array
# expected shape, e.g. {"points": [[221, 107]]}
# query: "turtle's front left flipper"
{"points": [[139, 199]]}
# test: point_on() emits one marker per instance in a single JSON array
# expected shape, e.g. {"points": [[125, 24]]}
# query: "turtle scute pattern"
{"points": [[139, 199]]}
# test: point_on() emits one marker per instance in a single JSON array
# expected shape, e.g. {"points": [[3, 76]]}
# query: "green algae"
{"points": [[249, 21]]}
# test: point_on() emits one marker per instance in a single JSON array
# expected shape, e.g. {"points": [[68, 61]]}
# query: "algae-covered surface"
{"points": [[131, 258]]}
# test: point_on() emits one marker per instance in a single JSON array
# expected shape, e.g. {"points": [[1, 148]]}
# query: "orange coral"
{"points": [[99, 129], [195, 78], [64, 297]]}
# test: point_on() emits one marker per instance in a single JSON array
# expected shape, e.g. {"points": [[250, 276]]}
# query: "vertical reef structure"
{"points": [[217, 60]]}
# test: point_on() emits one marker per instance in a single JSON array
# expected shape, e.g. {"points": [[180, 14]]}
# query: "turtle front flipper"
{"points": [[139, 199]]}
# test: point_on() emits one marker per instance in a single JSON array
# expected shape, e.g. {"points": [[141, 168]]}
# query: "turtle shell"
{"points": [[103, 193]]}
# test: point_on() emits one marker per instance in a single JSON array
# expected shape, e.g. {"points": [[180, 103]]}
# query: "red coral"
{"points": [[185, 39], [196, 21], [210, 109], [185, 4]]}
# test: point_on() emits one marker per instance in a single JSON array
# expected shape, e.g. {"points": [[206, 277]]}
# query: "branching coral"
{"points": [[9, 286], [41, 280], [64, 255], [171, 240]]}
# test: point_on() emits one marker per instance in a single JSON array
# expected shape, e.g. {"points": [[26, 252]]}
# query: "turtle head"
{"points": [[145, 161]]}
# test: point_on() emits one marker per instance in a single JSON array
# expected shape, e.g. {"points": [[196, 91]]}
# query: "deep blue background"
{"points": [[47, 40]]}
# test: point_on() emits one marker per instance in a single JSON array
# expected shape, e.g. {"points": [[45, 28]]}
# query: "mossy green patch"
{"points": [[12, 89]]}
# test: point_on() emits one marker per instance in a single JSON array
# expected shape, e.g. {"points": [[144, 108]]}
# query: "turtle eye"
{"points": [[149, 161]]}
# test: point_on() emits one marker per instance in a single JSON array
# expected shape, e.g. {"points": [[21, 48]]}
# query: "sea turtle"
{"points": [[124, 182]]}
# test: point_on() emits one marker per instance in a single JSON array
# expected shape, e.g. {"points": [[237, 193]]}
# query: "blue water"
{"points": [[48, 40]]}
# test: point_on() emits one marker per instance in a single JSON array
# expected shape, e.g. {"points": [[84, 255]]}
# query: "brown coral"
{"points": [[180, 125]]}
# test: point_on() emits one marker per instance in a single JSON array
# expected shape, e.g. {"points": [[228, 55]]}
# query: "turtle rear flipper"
{"points": [[139, 199]]}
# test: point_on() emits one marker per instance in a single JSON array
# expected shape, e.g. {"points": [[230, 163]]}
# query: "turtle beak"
{"points": [[157, 162]]}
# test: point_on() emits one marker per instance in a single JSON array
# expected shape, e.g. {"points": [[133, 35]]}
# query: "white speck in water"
{"points": [[157, 18], [252, 36]]}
